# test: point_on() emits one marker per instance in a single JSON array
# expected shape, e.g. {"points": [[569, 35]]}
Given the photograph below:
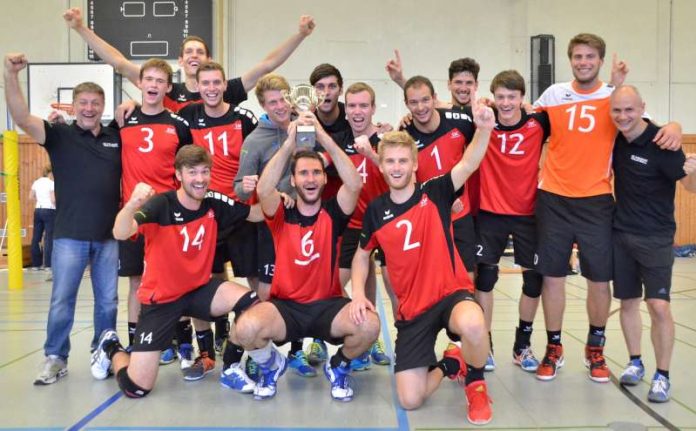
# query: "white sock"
{"points": [[263, 355]]}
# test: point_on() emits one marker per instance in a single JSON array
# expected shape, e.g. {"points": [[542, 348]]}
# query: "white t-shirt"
{"points": [[43, 187]]}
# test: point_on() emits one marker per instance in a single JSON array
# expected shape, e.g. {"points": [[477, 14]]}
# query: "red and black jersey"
{"points": [[440, 150], [372, 179], [180, 96], [510, 169], [180, 243], [150, 143], [306, 255], [222, 137], [416, 238]]}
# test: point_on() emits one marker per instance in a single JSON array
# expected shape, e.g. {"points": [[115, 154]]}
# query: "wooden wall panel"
{"points": [[685, 205], [32, 159]]}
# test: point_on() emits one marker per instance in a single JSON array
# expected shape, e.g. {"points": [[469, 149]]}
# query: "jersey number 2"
{"points": [[408, 245]]}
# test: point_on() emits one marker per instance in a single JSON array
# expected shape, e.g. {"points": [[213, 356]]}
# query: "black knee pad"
{"points": [[486, 277], [130, 389], [531, 283], [247, 300]]}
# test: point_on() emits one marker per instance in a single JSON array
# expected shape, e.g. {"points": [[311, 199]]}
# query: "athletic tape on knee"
{"points": [[487, 277], [247, 300], [531, 283], [130, 389]]}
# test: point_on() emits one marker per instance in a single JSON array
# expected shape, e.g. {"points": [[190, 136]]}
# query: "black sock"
{"points": [[449, 366], [222, 327], [232, 355], [205, 342], [296, 346], [663, 373], [523, 335], [597, 331], [473, 374], [553, 337], [184, 332], [131, 332], [113, 347], [635, 358], [339, 359]]}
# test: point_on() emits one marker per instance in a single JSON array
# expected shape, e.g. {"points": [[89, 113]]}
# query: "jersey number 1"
{"points": [[211, 144]]}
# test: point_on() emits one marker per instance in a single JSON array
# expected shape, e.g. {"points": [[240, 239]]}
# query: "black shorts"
{"points": [[157, 322], [465, 241], [266, 253], [311, 319], [131, 255], [639, 261], [492, 234], [562, 221], [240, 249], [415, 338]]}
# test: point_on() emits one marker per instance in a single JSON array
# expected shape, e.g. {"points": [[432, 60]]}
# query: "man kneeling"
{"points": [[180, 229], [306, 296]]}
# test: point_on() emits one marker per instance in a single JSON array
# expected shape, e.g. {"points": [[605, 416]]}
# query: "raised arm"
{"points": [[395, 69], [269, 197], [278, 56], [16, 104], [470, 161], [352, 182], [112, 56], [125, 225]]}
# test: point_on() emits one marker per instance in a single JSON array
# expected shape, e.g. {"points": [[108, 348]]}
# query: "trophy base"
{"points": [[306, 137]]}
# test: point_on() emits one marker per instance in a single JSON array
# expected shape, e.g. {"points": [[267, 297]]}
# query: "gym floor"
{"points": [[571, 401]]}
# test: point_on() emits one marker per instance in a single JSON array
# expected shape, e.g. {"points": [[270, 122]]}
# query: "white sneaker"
{"points": [[236, 379], [100, 363], [53, 368]]}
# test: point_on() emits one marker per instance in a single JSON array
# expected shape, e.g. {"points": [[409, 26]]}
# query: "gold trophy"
{"points": [[304, 98]]}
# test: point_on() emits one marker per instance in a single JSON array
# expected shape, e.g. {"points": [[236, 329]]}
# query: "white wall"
{"points": [[655, 37]]}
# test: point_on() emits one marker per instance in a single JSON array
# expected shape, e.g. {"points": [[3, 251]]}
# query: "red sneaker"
{"points": [[480, 412], [553, 360], [594, 360], [453, 351]]}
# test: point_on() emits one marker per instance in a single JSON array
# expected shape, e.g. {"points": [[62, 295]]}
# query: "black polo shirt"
{"points": [[87, 173], [645, 183], [340, 125]]}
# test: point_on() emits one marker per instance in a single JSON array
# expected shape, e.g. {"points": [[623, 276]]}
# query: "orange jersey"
{"points": [[578, 158]]}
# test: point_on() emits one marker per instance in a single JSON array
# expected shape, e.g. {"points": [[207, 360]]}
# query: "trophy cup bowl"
{"points": [[304, 98]]}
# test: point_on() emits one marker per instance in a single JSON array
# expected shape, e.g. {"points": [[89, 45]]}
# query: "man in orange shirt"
{"points": [[575, 203]]}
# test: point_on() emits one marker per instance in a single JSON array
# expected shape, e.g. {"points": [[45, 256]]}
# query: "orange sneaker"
{"points": [[480, 412], [201, 366], [594, 360], [553, 360], [453, 351]]}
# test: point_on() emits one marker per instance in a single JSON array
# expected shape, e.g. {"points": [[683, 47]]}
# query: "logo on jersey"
{"points": [[387, 215], [177, 216], [110, 144], [211, 213], [181, 98], [424, 201], [237, 126], [455, 134], [418, 144], [133, 120], [567, 96], [170, 131], [638, 159]]}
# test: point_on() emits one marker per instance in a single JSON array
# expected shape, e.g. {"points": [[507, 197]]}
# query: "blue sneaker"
{"points": [[100, 364], [267, 385], [252, 369], [525, 359], [167, 356], [361, 363], [659, 389], [633, 373], [340, 382], [185, 354], [378, 355], [236, 379], [490, 363], [298, 363], [317, 352]]}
